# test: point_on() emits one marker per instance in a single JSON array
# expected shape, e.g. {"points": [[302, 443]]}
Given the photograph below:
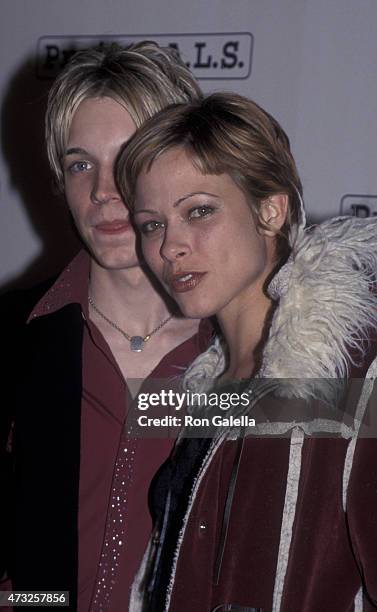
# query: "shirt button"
{"points": [[202, 527]]}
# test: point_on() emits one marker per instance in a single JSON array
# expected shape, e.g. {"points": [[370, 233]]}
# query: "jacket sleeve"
{"points": [[6, 472], [15, 308], [11, 335], [362, 513]]}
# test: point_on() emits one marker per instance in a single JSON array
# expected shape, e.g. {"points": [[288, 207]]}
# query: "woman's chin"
{"points": [[196, 311]]}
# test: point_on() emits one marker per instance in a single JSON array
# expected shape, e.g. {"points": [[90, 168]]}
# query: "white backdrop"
{"points": [[313, 66]]}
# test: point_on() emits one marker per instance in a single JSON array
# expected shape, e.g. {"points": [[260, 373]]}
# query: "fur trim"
{"points": [[327, 307], [208, 366]]}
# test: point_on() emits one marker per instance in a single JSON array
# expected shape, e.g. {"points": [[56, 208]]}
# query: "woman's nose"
{"points": [[174, 246]]}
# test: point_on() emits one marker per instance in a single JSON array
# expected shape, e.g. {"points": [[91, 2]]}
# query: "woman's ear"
{"points": [[273, 213]]}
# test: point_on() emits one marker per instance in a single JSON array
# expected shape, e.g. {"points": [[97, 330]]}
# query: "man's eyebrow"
{"points": [[178, 202], [145, 210], [76, 151]]}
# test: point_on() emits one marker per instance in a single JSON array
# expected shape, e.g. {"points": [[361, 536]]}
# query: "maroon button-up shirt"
{"points": [[105, 400]]}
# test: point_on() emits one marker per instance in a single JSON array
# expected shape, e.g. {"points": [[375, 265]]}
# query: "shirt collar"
{"points": [[71, 287]]}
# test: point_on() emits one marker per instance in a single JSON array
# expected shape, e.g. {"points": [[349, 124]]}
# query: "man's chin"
{"points": [[114, 261]]}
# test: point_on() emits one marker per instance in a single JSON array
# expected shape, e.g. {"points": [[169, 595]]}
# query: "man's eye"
{"points": [[80, 166], [200, 211], [149, 227]]}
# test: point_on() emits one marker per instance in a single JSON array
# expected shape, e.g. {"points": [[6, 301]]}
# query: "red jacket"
{"points": [[301, 535]]}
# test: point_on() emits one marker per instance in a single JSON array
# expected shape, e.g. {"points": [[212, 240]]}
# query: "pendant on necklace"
{"points": [[137, 343]]}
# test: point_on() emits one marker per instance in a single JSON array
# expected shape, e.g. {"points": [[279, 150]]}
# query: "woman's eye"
{"points": [[80, 166], [149, 227], [201, 211]]}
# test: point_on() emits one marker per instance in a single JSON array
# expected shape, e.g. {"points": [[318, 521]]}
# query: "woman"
{"points": [[281, 515]]}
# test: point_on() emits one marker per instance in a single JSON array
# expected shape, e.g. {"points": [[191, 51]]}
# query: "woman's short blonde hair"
{"points": [[143, 77], [223, 133]]}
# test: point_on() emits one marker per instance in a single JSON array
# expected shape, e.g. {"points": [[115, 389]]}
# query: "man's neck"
{"points": [[129, 300], [128, 297]]}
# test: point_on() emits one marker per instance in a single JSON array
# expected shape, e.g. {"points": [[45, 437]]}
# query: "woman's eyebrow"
{"points": [[193, 193], [178, 202]]}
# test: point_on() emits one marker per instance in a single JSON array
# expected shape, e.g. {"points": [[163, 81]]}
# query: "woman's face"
{"points": [[199, 237]]}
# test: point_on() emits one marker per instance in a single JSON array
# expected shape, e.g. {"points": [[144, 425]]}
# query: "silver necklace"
{"points": [[137, 342]]}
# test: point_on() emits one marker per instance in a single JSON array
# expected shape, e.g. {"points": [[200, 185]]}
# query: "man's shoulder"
{"points": [[16, 305]]}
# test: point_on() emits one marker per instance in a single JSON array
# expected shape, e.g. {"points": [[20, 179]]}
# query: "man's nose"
{"points": [[105, 189]]}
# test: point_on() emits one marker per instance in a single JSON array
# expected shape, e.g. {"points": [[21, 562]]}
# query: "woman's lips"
{"points": [[186, 281], [113, 227]]}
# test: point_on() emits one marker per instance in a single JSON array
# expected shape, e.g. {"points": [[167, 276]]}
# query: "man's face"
{"points": [[99, 128]]}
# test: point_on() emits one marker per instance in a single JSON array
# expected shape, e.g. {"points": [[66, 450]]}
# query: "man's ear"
{"points": [[273, 213]]}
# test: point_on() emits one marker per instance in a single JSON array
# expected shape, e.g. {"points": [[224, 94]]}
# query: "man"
{"points": [[81, 519]]}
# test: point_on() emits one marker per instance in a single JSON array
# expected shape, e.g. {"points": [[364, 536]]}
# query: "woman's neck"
{"points": [[245, 329]]}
